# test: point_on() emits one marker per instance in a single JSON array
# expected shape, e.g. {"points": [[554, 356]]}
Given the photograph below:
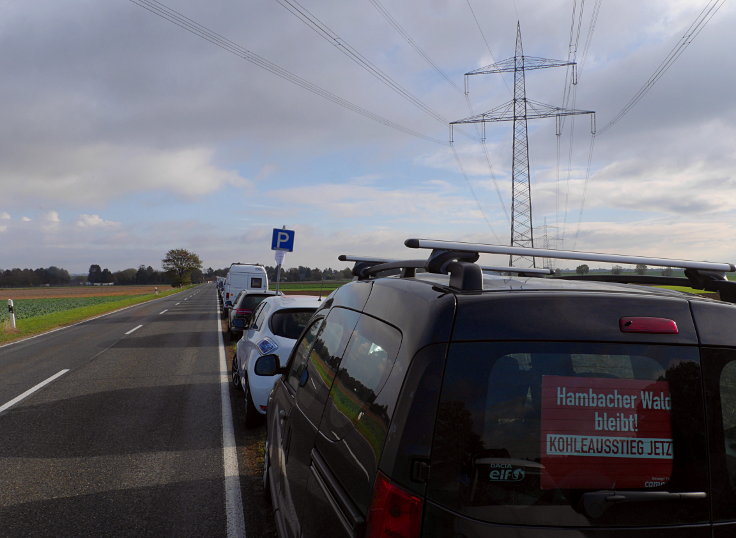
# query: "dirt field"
{"points": [[76, 291]]}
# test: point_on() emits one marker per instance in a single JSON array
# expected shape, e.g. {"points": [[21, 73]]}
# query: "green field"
{"points": [[326, 287], [32, 308], [35, 316]]}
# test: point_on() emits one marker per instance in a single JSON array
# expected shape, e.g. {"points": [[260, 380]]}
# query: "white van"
{"points": [[243, 276]]}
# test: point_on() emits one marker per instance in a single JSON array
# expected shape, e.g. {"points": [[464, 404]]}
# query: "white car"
{"points": [[274, 328]]}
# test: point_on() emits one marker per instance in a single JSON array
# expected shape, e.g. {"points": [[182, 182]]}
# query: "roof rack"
{"points": [[465, 275], [372, 262], [458, 260], [566, 254], [700, 275]]}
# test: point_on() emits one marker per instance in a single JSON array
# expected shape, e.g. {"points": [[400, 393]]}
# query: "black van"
{"points": [[450, 403]]}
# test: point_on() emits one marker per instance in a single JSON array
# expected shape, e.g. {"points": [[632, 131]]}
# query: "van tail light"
{"points": [[648, 325], [243, 311], [394, 513]]}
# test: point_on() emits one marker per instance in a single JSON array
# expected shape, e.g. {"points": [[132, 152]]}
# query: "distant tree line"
{"points": [[147, 275], [17, 278], [293, 274], [142, 275]]}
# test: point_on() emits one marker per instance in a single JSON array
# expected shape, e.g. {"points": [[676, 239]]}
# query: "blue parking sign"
{"points": [[282, 240]]}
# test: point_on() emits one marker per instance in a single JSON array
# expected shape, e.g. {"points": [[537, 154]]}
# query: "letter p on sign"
{"points": [[282, 240]]}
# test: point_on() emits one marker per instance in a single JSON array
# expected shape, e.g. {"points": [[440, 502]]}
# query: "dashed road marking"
{"points": [[30, 391], [134, 329], [163, 312]]}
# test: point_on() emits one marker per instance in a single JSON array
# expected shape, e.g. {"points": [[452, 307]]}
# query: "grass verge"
{"points": [[325, 287], [40, 324]]}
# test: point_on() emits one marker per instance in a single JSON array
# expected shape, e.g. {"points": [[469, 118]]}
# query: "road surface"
{"points": [[123, 426]]}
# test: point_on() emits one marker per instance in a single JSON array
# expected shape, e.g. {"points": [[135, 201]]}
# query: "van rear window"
{"points": [[544, 433]]}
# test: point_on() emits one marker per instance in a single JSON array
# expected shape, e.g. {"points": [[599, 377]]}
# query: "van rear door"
{"points": [[560, 436]]}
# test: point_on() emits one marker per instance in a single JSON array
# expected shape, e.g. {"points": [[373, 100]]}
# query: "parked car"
{"points": [[242, 276], [242, 310], [450, 403], [276, 324]]}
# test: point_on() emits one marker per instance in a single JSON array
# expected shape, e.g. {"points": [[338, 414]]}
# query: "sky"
{"points": [[124, 135]]}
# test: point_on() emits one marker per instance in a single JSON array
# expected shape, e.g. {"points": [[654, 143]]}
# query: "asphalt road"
{"points": [[131, 436]]}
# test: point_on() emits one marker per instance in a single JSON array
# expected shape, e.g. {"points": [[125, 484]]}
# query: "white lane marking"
{"points": [[30, 391], [163, 312], [134, 329], [234, 512], [177, 304], [83, 321]]}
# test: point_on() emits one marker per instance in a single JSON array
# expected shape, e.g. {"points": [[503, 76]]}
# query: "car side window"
{"points": [[256, 282], [363, 372], [323, 361], [719, 366], [297, 368], [259, 316]]}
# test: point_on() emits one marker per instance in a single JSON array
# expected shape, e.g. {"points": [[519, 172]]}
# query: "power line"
{"points": [[205, 33], [396, 26], [472, 191], [343, 46], [703, 18]]}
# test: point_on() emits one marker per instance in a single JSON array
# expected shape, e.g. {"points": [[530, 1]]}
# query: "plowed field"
{"points": [[77, 291]]}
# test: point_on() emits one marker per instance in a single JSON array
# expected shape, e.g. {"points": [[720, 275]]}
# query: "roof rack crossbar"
{"points": [[517, 270], [491, 268], [397, 264], [566, 254]]}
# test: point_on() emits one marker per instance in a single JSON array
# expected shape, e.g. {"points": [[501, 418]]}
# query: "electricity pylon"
{"points": [[519, 110]]}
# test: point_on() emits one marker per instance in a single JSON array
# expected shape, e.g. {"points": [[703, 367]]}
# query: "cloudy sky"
{"points": [[123, 135]]}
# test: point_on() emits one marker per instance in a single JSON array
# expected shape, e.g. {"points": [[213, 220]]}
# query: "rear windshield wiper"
{"points": [[597, 502]]}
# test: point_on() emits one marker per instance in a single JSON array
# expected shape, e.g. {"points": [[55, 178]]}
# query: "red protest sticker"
{"points": [[601, 433]]}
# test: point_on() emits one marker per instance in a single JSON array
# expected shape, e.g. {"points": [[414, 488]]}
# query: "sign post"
{"points": [[11, 313], [282, 241]]}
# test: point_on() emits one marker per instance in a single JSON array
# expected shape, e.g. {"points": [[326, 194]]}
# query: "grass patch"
{"points": [[326, 286], [687, 290], [31, 326]]}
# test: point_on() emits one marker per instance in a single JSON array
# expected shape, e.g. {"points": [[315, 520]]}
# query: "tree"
{"points": [[582, 269], [667, 271], [617, 269], [106, 276], [641, 269], [180, 263], [95, 274]]}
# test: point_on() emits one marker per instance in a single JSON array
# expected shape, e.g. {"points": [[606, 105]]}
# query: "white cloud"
{"points": [[95, 221], [4, 215], [26, 219], [93, 174], [3, 229], [51, 222]]}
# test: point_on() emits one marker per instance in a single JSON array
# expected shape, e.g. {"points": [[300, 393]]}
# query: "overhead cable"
{"points": [[205, 33], [707, 13], [396, 26], [475, 196], [302, 13]]}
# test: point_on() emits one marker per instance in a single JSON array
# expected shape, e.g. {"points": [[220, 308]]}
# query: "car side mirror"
{"points": [[268, 365], [228, 303]]}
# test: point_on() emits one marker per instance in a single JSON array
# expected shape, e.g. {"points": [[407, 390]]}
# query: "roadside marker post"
{"points": [[11, 313], [282, 241]]}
